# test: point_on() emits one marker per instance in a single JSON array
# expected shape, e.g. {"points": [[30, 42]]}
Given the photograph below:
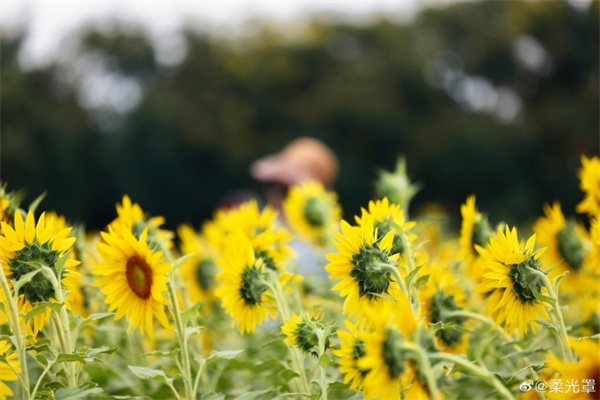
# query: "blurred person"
{"points": [[302, 159]]}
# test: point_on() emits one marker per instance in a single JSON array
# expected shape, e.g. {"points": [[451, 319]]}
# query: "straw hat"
{"points": [[302, 159]]}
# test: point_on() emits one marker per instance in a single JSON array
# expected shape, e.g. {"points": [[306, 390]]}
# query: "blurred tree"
{"points": [[493, 98]]}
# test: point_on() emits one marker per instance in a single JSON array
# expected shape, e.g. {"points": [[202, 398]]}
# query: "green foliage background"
{"points": [[361, 89]]}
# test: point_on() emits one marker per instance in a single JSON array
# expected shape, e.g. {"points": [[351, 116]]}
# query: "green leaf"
{"points": [[213, 396], [191, 330], [192, 311], [421, 281], [226, 355], [25, 279], [383, 296], [181, 260], [411, 275], [546, 325], [42, 359], [82, 323], [558, 279], [255, 395], [596, 336], [149, 373], [40, 308], [2, 307], [35, 203], [288, 374], [169, 354], [325, 360], [64, 357], [60, 264], [39, 346], [543, 297], [76, 393], [54, 385], [99, 350]]}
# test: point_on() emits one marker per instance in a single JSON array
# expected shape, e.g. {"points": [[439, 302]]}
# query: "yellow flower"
{"points": [[27, 245], [351, 350], [312, 211], [387, 217], [443, 293], [475, 230], [132, 216], [567, 244], [199, 270], [584, 372], [133, 278], [385, 359], [243, 291], [6, 372], [301, 332], [361, 264], [269, 240], [513, 284], [589, 177]]}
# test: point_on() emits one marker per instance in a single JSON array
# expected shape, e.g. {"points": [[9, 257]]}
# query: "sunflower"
{"points": [[243, 290], [508, 274], [312, 211], [362, 265], [443, 293], [475, 230], [269, 240], [567, 244], [389, 217], [133, 217], [389, 365], [133, 278], [28, 246], [589, 177], [351, 350], [301, 332], [6, 372], [200, 269], [584, 372]]}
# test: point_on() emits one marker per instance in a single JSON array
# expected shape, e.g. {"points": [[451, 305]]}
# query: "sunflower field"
{"points": [[260, 303]]}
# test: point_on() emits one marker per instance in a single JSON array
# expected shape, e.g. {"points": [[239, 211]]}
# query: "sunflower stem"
{"points": [[63, 326], [284, 314], [490, 322], [562, 329], [186, 374], [391, 268], [19, 337], [475, 370], [424, 368], [321, 337], [174, 307]]}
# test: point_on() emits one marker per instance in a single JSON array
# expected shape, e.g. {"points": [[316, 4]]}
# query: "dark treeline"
{"points": [[493, 98]]}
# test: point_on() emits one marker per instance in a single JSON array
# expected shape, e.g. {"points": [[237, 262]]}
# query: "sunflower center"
{"points": [[139, 276], [372, 280], [28, 259], [386, 226], [307, 339], [481, 232], [358, 352], [252, 286], [316, 211], [525, 283], [394, 357], [570, 245], [204, 273], [441, 302], [267, 260]]}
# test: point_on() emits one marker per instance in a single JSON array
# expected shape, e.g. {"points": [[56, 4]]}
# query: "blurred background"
{"points": [[170, 103]]}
